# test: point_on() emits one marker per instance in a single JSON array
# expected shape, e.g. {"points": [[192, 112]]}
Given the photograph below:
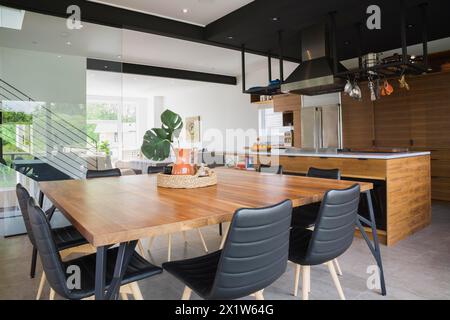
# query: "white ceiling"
{"points": [[50, 34], [199, 12]]}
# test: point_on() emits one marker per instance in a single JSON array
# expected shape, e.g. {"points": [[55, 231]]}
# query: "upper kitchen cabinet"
{"points": [[416, 118], [290, 105], [286, 102]]}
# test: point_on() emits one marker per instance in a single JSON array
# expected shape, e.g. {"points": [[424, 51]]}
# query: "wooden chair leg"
{"points": [[203, 240], [136, 291], [338, 267], [297, 278], [224, 237], [187, 293], [335, 279], [41, 286], [52, 294], [169, 248], [141, 248], [259, 295], [306, 278]]}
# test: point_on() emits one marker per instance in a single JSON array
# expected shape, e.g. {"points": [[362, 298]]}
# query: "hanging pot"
{"points": [[388, 88]]}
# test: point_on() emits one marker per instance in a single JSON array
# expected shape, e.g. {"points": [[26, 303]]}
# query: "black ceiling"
{"points": [[252, 24]]}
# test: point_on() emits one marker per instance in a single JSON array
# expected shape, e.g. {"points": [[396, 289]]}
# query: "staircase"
{"points": [[50, 139]]}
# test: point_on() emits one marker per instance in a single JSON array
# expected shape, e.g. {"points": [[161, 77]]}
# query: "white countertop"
{"points": [[350, 155]]}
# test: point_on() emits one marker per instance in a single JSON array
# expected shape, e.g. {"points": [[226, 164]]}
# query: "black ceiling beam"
{"points": [[144, 70], [110, 16]]}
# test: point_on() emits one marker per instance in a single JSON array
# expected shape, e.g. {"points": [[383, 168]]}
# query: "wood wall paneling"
{"points": [[418, 119], [358, 120]]}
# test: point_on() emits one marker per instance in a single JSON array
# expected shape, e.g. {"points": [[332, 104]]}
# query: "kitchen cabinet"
{"points": [[290, 106], [402, 194]]}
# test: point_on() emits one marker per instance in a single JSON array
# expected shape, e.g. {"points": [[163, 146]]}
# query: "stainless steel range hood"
{"points": [[315, 75]]}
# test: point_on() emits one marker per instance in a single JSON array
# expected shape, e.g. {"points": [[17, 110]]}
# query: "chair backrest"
{"points": [[23, 197], [335, 226], [48, 252], [156, 169], [270, 169], [92, 174], [324, 173], [255, 253]]}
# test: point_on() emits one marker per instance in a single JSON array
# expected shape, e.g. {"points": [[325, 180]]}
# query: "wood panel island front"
{"points": [[402, 194]]}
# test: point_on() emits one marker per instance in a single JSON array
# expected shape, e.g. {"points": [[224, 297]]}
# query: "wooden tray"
{"points": [[186, 182]]}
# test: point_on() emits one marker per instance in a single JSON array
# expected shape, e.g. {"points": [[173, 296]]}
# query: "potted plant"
{"points": [[159, 142]]}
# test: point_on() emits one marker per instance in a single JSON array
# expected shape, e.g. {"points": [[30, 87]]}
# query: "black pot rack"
{"points": [[403, 66]]}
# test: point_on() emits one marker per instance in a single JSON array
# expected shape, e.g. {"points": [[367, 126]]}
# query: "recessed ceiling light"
{"points": [[59, 57], [185, 10], [119, 57], [230, 37], [410, 26], [69, 43], [275, 19], [106, 67]]}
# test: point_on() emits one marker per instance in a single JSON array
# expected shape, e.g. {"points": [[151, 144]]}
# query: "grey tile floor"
{"points": [[415, 268]]}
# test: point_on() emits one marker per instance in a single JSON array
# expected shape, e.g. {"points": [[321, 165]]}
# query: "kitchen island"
{"points": [[402, 194]]}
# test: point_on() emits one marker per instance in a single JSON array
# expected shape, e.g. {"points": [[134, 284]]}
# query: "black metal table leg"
{"points": [[220, 229], [124, 254], [375, 246], [100, 273]]}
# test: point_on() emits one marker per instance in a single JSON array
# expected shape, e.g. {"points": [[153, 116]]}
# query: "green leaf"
{"points": [[157, 142], [155, 148], [172, 123]]}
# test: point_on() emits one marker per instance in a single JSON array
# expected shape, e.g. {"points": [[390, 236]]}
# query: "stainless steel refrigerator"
{"points": [[321, 127]]}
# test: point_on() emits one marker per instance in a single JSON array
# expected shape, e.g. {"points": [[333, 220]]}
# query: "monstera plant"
{"points": [[158, 142]]}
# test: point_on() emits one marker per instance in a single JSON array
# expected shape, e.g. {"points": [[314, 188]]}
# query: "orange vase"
{"points": [[182, 165]]}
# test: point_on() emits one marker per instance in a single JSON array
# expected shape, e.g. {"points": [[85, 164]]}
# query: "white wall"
{"points": [[45, 77], [228, 120]]}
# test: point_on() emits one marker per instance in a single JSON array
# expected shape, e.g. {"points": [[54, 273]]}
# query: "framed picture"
{"points": [[193, 129]]}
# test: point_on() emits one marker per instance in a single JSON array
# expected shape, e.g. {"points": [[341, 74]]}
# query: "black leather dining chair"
{"points": [[264, 168], [305, 216], [156, 169], [55, 269], [254, 256], [91, 174], [333, 234], [65, 238]]}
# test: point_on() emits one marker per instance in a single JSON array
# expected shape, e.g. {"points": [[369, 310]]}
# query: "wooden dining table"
{"points": [[122, 210]]}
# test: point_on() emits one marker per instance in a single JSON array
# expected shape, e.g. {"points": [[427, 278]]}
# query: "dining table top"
{"points": [[108, 211]]}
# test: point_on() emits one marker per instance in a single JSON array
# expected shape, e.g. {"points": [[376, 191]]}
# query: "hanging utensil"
{"points": [[348, 87], [388, 88], [356, 92], [403, 83], [373, 96]]}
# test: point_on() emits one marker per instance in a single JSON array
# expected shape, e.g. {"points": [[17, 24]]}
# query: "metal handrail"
{"points": [[51, 112]]}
